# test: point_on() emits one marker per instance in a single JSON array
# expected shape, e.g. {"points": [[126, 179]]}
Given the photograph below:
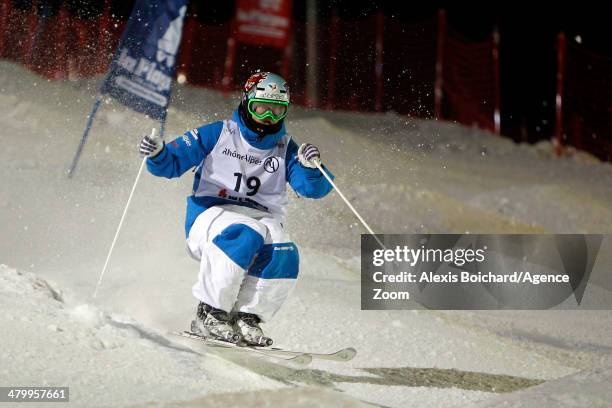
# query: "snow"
{"points": [[403, 175], [48, 341], [414, 396], [584, 389]]}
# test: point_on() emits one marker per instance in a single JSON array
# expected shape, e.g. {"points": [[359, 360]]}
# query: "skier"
{"points": [[234, 221]]}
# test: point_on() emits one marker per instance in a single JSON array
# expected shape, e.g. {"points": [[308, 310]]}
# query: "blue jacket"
{"points": [[177, 157]]}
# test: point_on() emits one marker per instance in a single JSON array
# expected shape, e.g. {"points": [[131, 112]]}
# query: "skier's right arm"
{"points": [[185, 152]]}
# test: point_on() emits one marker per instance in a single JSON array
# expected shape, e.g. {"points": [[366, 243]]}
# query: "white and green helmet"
{"points": [[266, 96]]}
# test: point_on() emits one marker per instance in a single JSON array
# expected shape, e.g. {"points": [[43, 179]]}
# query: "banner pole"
{"points": [[162, 126], [162, 123], [90, 119], [124, 82]]}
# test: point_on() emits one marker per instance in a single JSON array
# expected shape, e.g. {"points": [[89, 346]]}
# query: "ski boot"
{"points": [[215, 323], [247, 325]]}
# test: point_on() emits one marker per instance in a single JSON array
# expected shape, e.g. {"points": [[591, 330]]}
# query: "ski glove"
{"points": [[151, 145], [308, 154]]}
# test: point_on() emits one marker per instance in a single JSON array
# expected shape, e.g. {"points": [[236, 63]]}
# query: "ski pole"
{"points": [[121, 221], [317, 163]]}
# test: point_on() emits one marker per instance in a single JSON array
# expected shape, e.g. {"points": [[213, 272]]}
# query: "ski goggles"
{"points": [[268, 109]]}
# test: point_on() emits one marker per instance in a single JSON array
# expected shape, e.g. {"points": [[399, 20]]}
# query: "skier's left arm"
{"points": [[306, 181]]}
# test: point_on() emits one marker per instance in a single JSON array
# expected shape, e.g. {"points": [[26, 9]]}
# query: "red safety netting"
{"points": [[409, 67], [59, 45], [202, 52], [347, 59], [250, 58], [354, 77], [345, 63], [469, 80], [587, 101], [63, 45], [297, 70]]}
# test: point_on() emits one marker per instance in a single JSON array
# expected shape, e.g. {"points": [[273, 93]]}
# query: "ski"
{"points": [[292, 357], [345, 354], [303, 357]]}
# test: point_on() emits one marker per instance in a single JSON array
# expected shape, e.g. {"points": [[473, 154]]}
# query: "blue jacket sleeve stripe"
{"points": [[305, 181], [185, 152]]}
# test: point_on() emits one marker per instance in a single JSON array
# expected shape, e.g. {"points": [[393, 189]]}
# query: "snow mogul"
{"points": [[234, 221]]}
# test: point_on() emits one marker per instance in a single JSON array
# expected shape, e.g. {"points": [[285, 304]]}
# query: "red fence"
{"points": [[471, 81], [584, 99], [202, 53], [409, 67], [356, 70], [424, 69], [59, 45]]}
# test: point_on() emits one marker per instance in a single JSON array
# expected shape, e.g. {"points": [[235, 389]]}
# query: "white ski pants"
{"points": [[247, 263]]}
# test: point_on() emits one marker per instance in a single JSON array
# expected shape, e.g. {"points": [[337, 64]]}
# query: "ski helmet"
{"points": [[266, 96]]}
